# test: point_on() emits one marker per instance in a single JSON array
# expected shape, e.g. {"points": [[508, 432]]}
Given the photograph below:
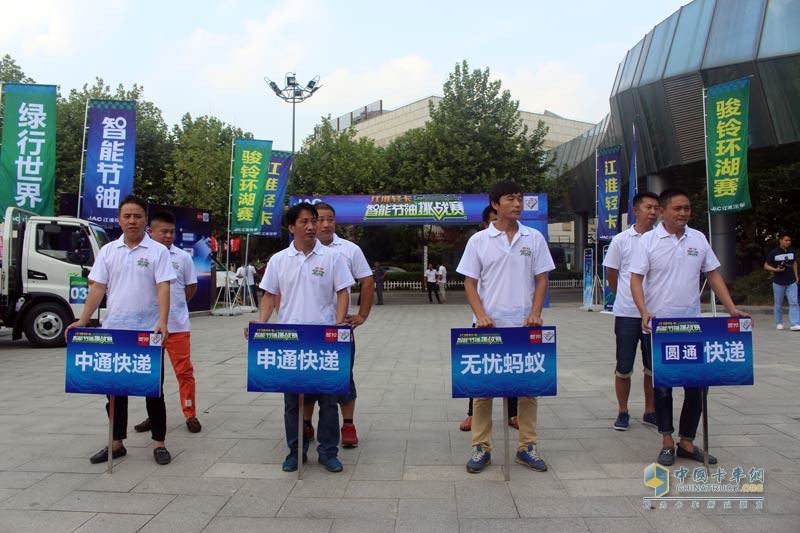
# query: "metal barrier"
{"points": [[417, 285]]}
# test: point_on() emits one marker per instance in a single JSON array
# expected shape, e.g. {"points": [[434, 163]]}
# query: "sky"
{"points": [[210, 58]]}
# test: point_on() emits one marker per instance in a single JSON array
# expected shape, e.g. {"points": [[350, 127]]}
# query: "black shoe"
{"points": [[161, 455], [142, 426], [696, 455], [667, 456], [102, 455], [193, 424]]}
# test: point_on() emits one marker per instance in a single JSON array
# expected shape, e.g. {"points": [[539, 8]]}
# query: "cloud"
{"points": [[558, 88]]}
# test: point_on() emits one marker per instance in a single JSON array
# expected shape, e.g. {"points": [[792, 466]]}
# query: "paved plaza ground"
{"points": [[408, 473]]}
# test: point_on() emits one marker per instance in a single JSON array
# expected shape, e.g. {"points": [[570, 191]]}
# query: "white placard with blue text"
{"points": [[503, 362], [702, 352], [308, 359], [116, 362]]}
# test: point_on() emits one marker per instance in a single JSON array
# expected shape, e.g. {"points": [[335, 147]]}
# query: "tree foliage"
{"points": [[10, 72]]}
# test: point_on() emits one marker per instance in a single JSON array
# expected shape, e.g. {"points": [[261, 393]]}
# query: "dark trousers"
{"points": [[433, 288], [378, 292], [691, 411], [327, 428], [512, 407], [156, 411]]}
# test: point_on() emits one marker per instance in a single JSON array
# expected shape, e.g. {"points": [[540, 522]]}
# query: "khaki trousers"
{"points": [[482, 422]]}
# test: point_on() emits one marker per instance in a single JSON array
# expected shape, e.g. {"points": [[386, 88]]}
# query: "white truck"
{"points": [[44, 273]]}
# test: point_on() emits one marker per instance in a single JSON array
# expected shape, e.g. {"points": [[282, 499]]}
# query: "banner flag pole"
{"points": [[708, 209], [83, 156]]}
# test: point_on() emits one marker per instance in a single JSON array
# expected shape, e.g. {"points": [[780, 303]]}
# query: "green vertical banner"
{"points": [[727, 114], [250, 167], [28, 155]]}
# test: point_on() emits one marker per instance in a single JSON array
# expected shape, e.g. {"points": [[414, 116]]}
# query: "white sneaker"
{"points": [[796, 327], [779, 326]]}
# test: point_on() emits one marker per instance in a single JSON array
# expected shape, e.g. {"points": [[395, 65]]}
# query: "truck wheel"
{"points": [[45, 324]]}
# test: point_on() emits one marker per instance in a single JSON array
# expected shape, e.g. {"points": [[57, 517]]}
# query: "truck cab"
{"points": [[45, 267]]}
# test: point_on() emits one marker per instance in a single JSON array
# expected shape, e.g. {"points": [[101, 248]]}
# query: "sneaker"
{"points": [[193, 424], [290, 463], [349, 436], [649, 419], [331, 464], [779, 326], [309, 433], [479, 460], [796, 327], [621, 423], [530, 458]]}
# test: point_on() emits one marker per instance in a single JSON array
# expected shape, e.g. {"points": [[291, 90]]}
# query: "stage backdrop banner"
{"points": [[280, 165], [608, 191], [251, 159], [113, 361], [727, 116], [28, 155], [702, 352], [438, 209], [503, 362], [110, 159]]}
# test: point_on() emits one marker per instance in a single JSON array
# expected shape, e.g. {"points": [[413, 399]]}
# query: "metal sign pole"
{"points": [[300, 435], [705, 427], [507, 462]]}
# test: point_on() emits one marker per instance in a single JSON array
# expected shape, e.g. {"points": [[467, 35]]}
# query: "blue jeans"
{"points": [[344, 399], [327, 429], [790, 291]]}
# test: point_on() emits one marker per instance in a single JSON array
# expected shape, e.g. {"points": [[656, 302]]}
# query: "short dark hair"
{"points": [[668, 194], [487, 213], [639, 198], [783, 234], [322, 206], [503, 188], [163, 216], [294, 212], [133, 199]]}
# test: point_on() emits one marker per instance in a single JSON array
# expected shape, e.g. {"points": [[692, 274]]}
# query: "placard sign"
{"points": [[308, 359], [702, 352], [503, 362], [116, 362]]}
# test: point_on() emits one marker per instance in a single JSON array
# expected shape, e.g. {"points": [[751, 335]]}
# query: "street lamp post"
{"points": [[294, 93]]}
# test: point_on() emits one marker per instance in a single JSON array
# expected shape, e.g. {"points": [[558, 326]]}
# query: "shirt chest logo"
{"points": [[692, 252], [176, 266], [525, 251], [143, 262], [318, 271]]}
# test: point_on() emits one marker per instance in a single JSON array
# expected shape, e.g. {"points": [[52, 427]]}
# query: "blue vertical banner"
{"points": [[633, 184], [110, 159], [280, 165], [588, 276], [608, 191], [608, 296], [702, 352], [503, 362]]}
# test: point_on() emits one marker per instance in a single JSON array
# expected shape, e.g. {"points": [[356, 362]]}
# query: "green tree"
{"points": [[476, 137], [335, 162], [10, 72], [199, 175], [153, 144]]}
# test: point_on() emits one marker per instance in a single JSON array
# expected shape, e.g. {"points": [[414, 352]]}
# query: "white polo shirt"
{"points": [[672, 269], [505, 272], [353, 256], [430, 276], [131, 276], [442, 274], [307, 284], [185, 274], [618, 257]]}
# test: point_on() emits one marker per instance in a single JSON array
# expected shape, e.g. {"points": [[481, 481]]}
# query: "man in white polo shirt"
{"points": [[627, 321], [505, 268], [178, 346], [360, 270], [670, 259], [135, 273], [312, 282], [442, 281]]}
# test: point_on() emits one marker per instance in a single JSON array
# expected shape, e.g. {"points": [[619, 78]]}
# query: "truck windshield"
{"points": [[101, 235]]}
